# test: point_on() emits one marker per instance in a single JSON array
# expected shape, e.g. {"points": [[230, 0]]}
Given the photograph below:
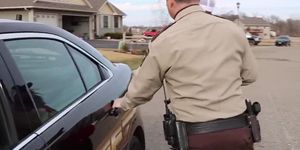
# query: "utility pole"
{"points": [[238, 5]]}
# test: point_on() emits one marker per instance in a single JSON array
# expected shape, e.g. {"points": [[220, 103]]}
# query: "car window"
{"points": [[50, 73], [88, 69], [283, 37], [9, 133]]}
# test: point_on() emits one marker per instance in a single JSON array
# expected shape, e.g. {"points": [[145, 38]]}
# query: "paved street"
{"points": [[277, 89]]}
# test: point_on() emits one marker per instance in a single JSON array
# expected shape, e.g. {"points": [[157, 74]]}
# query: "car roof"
{"points": [[13, 26]]}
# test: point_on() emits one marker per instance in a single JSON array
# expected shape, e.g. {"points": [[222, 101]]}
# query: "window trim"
{"points": [[43, 128], [25, 141], [116, 22], [104, 22], [80, 71]]}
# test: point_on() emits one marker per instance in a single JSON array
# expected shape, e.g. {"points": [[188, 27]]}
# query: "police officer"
{"points": [[204, 60]]}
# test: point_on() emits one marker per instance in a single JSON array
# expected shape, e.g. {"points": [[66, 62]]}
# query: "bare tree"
{"points": [[281, 27], [229, 16], [161, 14]]}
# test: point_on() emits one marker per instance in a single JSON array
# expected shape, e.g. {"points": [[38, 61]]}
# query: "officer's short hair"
{"points": [[187, 1]]}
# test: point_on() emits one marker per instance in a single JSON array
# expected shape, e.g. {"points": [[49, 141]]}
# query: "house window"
{"points": [[105, 21], [116, 21], [18, 17]]}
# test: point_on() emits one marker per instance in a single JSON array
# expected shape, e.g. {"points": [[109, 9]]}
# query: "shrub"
{"points": [[129, 34], [116, 35], [124, 47]]}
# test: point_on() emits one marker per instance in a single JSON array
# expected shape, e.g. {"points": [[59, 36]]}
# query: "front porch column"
{"points": [[31, 15], [98, 24], [91, 27]]}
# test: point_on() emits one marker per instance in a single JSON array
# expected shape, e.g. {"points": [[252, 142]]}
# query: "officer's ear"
{"points": [[171, 4]]}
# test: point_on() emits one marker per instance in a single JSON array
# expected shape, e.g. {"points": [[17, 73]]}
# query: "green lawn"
{"points": [[133, 61]]}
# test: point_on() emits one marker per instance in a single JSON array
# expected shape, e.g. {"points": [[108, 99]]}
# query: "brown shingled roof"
{"points": [[13, 4], [255, 21]]}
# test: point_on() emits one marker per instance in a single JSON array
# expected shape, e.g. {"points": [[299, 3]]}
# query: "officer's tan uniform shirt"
{"points": [[204, 60]]}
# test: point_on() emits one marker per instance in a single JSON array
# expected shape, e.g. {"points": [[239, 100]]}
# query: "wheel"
{"points": [[251, 42], [135, 144]]}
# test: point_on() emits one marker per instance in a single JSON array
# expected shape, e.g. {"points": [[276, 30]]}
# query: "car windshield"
{"points": [[283, 38]]}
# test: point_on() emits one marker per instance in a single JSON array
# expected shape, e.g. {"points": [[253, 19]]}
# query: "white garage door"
{"points": [[49, 19]]}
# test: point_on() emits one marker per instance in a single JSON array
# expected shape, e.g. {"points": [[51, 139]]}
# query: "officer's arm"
{"points": [[249, 67], [146, 81]]}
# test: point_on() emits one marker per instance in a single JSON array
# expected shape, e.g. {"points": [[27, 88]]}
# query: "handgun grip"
{"points": [[256, 108]]}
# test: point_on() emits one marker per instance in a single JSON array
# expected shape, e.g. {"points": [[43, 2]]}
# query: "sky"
{"points": [[154, 12]]}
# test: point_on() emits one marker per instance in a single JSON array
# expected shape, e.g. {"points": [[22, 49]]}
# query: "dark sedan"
{"points": [[283, 40], [56, 93]]}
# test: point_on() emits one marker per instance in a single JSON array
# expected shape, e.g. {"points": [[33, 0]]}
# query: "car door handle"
{"points": [[114, 112]]}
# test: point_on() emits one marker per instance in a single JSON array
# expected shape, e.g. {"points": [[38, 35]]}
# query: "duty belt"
{"points": [[239, 121]]}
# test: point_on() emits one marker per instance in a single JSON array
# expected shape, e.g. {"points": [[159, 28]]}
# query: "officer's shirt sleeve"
{"points": [[146, 81], [249, 66]]}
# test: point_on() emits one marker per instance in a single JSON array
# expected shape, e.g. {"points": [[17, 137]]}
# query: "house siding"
{"points": [[90, 22], [11, 14], [111, 25], [106, 10], [86, 21]]}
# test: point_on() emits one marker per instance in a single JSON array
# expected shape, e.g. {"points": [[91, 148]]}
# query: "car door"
{"points": [[17, 114], [73, 100]]}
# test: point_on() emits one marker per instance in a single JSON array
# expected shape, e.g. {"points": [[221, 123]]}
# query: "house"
{"points": [[85, 18], [255, 26]]}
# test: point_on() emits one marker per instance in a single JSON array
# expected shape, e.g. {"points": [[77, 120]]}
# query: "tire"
{"points": [[252, 42], [135, 144]]}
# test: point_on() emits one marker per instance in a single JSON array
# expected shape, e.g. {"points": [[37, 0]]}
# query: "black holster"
{"points": [[252, 111], [174, 131], [169, 125]]}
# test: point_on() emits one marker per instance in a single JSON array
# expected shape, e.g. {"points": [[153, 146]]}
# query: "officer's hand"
{"points": [[117, 103]]}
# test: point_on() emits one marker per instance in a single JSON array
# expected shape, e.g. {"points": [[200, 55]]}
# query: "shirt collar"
{"points": [[187, 10]]}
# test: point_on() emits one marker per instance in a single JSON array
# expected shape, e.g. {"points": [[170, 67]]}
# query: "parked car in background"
{"points": [[151, 33], [283, 40], [253, 39], [56, 93]]}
